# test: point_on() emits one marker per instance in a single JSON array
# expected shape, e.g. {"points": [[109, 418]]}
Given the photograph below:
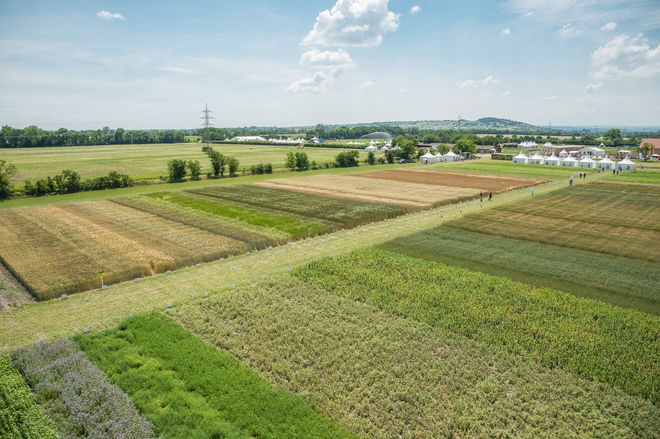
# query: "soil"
{"points": [[12, 293]]}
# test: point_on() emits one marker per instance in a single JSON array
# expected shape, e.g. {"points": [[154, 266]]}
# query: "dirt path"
{"points": [[99, 310], [12, 293]]}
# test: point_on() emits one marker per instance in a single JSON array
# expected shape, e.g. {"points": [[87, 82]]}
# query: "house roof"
{"points": [[654, 142]]}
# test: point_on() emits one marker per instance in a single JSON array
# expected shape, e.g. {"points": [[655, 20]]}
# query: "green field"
{"points": [[140, 161], [385, 376], [509, 169], [587, 337], [189, 389]]}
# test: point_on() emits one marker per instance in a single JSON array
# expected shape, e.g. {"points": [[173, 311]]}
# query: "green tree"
{"points": [[389, 156], [613, 136], [218, 161], [346, 159], [291, 160], [7, 170], [67, 182], [443, 149], [646, 150], [194, 169], [465, 144], [177, 169], [371, 158], [298, 161], [407, 149], [232, 164]]}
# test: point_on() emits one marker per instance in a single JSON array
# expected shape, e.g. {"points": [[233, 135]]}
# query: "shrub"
{"points": [[218, 161], [7, 170], [194, 169], [177, 169], [389, 156], [261, 169], [371, 158], [347, 159], [67, 182], [232, 164]]}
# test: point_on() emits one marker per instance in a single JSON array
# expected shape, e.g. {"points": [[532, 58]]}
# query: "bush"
{"points": [[177, 169], [67, 182], [347, 159], [218, 161], [261, 169], [232, 164], [7, 170], [389, 156], [194, 169], [298, 161], [371, 158]]}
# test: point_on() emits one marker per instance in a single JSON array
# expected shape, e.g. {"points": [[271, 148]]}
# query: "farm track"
{"points": [[99, 310]]}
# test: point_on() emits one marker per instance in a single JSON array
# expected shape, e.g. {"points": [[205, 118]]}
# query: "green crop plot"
{"points": [[189, 389], [385, 376], [587, 337], [341, 212]]}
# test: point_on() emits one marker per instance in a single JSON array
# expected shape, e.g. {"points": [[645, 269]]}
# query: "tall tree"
{"points": [[7, 170]]}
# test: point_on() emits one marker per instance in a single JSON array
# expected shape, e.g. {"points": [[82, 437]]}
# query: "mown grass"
{"points": [[294, 227], [189, 389], [587, 337], [646, 176], [341, 212], [385, 376], [621, 281], [20, 415], [509, 169]]}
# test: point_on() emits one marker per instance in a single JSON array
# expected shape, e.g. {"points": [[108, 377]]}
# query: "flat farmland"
{"points": [[140, 161]]}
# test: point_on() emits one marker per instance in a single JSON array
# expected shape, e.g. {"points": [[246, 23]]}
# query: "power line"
{"points": [[207, 116]]}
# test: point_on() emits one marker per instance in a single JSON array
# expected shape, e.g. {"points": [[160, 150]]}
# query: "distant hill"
{"points": [[485, 125]]}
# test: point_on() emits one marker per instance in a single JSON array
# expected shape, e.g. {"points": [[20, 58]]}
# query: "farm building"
{"points": [[626, 165], [553, 160], [451, 156], [654, 142], [569, 162], [520, 158], [605, 164], [587, 162]]}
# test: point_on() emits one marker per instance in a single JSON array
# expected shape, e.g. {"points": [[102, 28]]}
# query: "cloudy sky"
{"points": [[153, 64]]}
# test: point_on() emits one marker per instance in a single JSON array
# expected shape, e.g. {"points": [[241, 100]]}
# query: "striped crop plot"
{"points": [[339, 212]]}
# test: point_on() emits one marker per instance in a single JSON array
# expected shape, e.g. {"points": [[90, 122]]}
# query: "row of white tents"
{"points": [[429, 157], [571, 162], [373, 147]]}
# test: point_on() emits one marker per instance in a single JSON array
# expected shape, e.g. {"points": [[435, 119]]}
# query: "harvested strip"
{"points": [[341, 212], [294, 227], [386, 190], [603, 238], [216, 226], [20, 416], [77, 396], [486, 183], [385, 376], [189, 389]]}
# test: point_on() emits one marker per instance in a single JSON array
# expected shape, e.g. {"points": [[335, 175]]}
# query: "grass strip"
{"points": [[590, 338], [77, 396], [20, 416], [189, 389], [343, 212], [292, 226], [384, 376]]}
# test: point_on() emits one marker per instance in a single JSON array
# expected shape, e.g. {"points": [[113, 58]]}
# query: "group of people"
{"points": [[490, 196]]}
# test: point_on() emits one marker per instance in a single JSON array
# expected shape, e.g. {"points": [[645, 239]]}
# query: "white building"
{"points": [[604, 164], [520, 158], [587, 162], [626, 165]]}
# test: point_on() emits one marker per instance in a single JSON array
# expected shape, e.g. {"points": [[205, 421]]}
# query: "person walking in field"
{"points": [[570, 181], [531, 189], [490, 196], [481, 196]]}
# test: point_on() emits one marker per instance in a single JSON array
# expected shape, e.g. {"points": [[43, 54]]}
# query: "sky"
{"points": [[155, 64]]}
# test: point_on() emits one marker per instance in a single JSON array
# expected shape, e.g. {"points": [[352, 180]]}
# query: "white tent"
{"points": [[626, 165], [602, 145], [592, 151], [547, 144], [569, 161], [520, 158], [587, 162], [606, 163], [536, 159], [553, 160], [451, 156], [371, 148], [384, 149], [427, 158], [563, 153], [439, 157]]}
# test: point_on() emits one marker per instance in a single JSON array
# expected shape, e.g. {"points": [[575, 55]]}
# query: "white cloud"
{"points": [[473, 83], [608, 26], [505, 93], [529, 14], [403, 90], [505, 32], [339, 59], [174, 69], [625, 56], [353, 23], [317, 83], [550, 98], [591, 87], [568, 30], [415, 10], [367, 84], [110, 16]]}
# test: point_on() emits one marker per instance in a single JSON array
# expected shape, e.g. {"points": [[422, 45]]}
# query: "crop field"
{"points": [[413, 195], [509, 169], [189, 389], [548, 326], [140, 161], [339, 212], [454, 179], [384, 375]]}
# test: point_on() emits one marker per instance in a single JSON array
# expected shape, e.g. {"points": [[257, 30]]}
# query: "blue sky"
{"points": [[153, 64]]}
